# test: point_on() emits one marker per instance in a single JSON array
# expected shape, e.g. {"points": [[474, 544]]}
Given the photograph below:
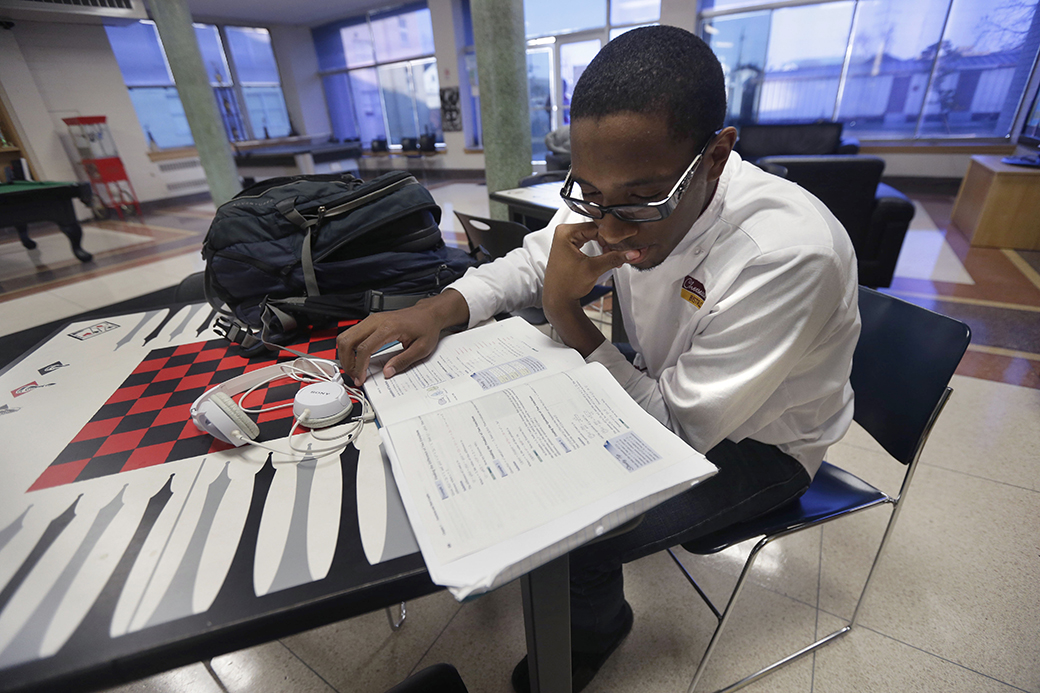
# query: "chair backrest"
{"points": [[542, 177], [495, 236], [903, 363], [558, 141], [846, 183], [781, 139]]}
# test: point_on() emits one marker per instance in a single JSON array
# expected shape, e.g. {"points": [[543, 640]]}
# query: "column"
{"points": [[498, 29], [173, 20], [298, 68], [680, 13]]}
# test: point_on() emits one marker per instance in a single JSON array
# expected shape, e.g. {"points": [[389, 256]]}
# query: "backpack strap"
{"points": [[287, 208]]}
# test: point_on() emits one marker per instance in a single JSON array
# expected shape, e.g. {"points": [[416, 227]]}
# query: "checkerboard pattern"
{"points": [[147, 420]]}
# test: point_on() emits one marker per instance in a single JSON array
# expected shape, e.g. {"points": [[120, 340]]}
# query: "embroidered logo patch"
{"points": [[693, 291]]}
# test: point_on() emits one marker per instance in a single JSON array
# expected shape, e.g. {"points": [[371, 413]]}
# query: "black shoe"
{"points": [[584, 665]]}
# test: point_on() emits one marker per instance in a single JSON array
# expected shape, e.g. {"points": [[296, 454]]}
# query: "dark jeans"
{"points": [[753, 478]]}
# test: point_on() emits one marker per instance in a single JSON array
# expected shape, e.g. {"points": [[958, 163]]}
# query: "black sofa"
{"points": [[875, 215], [757, 140]]}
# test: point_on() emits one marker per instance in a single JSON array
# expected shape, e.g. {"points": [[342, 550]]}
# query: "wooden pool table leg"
{"points": [[75, 235], [23, 236]]}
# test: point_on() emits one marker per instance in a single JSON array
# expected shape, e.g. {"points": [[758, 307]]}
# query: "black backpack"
{"points": [[315, 249]]}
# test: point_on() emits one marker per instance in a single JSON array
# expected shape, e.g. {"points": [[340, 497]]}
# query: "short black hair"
{"points": [[656, 69]]}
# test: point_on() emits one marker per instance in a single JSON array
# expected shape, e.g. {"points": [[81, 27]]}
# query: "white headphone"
{"points": [[326, 401]]}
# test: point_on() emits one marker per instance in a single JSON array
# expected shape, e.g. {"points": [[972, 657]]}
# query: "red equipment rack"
{"points": [[104, 168]]}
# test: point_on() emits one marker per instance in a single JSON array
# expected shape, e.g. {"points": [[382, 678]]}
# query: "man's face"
{"points": [[631, 158]]}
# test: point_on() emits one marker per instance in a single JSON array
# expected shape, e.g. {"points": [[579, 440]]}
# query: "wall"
{"points": [[939, 165], [680, 13], [25, 105], [75, 73], [449, 44]]}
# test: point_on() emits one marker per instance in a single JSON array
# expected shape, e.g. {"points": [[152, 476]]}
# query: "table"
{"points": [[532, 206], [294, 159], [25, 202], [130, 544], [999, 205]]}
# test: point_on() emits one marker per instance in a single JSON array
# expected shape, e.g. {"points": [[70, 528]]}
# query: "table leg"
{"points": [[74, 232], [547, 620], [23, 236]]}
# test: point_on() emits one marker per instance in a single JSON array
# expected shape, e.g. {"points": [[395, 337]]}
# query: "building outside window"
{"points": [[380, 76], [146, 73], [889, 70]]}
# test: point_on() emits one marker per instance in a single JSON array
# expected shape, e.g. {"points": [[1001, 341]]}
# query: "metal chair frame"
{"points": [[873, 502]]}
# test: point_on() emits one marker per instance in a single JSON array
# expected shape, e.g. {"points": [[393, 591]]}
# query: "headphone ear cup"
{"points": [[246, 426]]}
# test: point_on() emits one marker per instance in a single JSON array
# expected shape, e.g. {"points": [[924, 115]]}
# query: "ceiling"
{"points": [[264, 12]]}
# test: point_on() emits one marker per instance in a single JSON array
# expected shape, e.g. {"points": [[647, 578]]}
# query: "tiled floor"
{"points": [[953, 606]]}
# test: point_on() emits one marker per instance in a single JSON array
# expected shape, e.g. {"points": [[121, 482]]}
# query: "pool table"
{"points": [[23, 202]]}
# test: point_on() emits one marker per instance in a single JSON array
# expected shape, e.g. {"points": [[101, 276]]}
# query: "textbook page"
{"points": [[498, 485], [465, 366]]}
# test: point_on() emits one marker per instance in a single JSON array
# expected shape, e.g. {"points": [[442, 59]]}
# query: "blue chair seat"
{"points": [[833, 493]]}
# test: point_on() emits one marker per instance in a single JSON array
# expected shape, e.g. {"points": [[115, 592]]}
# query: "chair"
{"points": [[543, 177], [900, 374], [875, 215], [439, 678], [496, 238], [192, 289], [756, 140], [558, 142]]}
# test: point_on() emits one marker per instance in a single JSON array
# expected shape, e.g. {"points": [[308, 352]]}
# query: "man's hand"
{"points": [[418, 329], [571, 274]]}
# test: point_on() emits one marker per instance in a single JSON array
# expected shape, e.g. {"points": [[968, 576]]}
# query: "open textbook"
{"points": [[509, 450]]}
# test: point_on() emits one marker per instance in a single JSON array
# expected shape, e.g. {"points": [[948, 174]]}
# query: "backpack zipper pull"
{"points": [[321, 215]]}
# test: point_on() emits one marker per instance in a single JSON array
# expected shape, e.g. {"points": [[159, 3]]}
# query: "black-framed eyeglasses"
{"points": [[636, 213]]}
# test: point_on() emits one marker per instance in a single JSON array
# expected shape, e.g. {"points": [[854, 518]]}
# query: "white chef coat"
{"points": [[768, 354]]}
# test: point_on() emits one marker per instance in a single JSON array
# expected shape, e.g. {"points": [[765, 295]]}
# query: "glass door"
{"points": [[574, 55], [540, 61]]}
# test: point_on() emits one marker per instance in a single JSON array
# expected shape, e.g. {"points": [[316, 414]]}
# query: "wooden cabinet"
{"points": [[999, 205]]}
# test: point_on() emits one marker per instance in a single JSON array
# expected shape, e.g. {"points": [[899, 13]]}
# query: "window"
{"points": [[887, 69], [258, 75], [634, 11], [146, 72], [562, 40], [539, 90], [552, 17], [147, 75], [380, 76]]}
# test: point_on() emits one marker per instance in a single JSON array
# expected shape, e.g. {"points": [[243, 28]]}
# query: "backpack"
{"points": [[311, 250]]}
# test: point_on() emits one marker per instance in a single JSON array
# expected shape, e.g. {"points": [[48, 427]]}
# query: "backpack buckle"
{"points": [[235, 332]]}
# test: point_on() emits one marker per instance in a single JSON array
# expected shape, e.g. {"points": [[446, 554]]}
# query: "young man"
{"points": [[738, 292]]}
